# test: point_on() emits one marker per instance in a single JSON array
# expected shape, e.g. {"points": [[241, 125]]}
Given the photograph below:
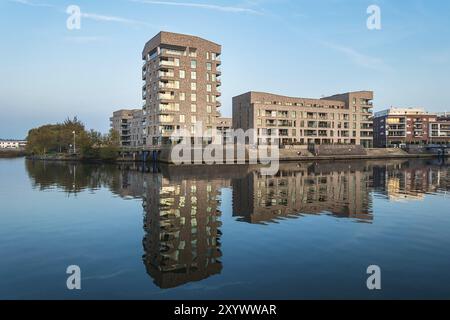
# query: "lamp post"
{"points": [[74, 143]]}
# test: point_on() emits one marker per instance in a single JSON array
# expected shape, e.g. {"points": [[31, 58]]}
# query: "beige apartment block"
{"points": [[339, 119], [181, 75], [129, 125]]}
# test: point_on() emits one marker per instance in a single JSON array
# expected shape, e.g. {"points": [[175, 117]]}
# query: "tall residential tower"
{"points": [[181, 76]]}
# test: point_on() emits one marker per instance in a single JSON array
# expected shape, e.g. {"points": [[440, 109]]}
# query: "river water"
{"points": [[166, 232]]}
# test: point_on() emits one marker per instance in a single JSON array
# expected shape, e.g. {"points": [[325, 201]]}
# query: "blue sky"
{"points": [[297, 48]]}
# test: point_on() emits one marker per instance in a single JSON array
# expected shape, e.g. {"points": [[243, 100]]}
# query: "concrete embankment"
{"points": [[369, 154], [300, 153]]}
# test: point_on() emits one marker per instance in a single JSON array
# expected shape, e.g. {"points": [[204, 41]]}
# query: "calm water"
{"points": [[225, 233]]}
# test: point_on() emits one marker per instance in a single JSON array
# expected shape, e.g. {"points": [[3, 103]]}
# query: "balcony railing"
{"points": [[169, 85], [169, 63], [162, 74], [166, 96]]}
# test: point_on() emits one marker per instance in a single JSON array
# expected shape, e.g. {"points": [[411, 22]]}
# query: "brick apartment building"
{"points": [[395, 127], [339, 119], [129, 125], [181, 75]]}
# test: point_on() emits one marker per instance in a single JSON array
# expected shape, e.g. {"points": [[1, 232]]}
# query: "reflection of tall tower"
{"points": [[339, 189], [182, 241]]}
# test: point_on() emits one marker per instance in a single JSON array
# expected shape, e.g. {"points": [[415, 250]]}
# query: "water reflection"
{"points": [[338, 189], [181, 206], [182, 226]]}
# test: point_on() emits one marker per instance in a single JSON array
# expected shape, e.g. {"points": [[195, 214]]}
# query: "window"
{"points": [[193, 97], [213, 56], [182, 118], [193, 64], [208, 66], [193, 119], [194, 75], [207, 55], [208, 88], [193, 86], [208, 99], [207, 77], [294, 114], [213, 77], [208, 109], [182, 96], [354, 100], [182, 74], [193, 108]]}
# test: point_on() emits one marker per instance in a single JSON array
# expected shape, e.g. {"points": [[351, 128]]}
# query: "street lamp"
{"points": [[74, 143]]}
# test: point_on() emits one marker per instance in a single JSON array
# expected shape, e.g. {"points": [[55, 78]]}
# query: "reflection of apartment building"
{"points": [[339, 119], [128, 123], [182, 221], [181, 76], [403, 126], [294, 191], [410, 180]]}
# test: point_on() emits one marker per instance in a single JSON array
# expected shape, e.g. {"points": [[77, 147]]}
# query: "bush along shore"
{"points": [[12, 153], [70, 141]]}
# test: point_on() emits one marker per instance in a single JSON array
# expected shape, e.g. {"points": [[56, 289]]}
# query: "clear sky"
{"points": [[292, 47]]}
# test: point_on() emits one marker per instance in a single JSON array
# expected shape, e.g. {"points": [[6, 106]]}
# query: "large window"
{"points": [[193, 64]]}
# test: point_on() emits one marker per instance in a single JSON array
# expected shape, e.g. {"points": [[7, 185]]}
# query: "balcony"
{"points": [[399, 134], [169, 63], [169, 107], [166, 96], [166, 130], [166, 119], [171, 52], [169, 85], [166, 74]]}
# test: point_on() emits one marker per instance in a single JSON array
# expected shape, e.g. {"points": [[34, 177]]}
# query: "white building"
{"points": [[12, 144]]}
